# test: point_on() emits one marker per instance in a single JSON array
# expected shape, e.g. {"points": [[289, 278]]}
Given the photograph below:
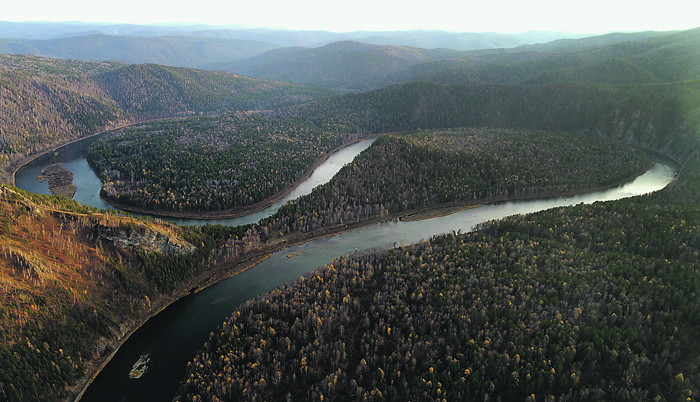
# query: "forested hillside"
{"points": [[612, 59], [73, 282], [47, 102], [150, 91], [629, 58], [592, 302], [634, 114], [344, 65], [663, 117]]}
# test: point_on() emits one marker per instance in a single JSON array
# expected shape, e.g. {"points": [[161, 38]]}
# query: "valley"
{"points": [[593, 301]]}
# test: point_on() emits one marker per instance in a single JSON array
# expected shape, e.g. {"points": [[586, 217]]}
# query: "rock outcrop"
{"points": [[143, 239]]}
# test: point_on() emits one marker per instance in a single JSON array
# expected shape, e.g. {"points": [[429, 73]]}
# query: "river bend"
{"points": [[172, 337]]}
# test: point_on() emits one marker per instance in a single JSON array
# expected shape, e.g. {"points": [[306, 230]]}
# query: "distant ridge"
{"points": [[340, 65], [284, 37], [179, 51], [612, 59]]}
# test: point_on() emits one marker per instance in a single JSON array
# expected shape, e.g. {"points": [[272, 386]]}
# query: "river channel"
{"points": [[172, 338]]}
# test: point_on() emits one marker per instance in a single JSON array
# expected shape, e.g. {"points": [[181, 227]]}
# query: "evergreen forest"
{"points": [[583, 303]]}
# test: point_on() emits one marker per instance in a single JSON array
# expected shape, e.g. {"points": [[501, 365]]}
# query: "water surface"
{"points": [[173, 336]]}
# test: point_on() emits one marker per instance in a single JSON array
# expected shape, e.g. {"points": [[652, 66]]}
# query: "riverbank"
{"points": [[12, 168], [222, 270], [238, 212]]}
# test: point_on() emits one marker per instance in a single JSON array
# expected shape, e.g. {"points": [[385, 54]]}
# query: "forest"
{"points": [[68, 290], [460, 166], [45, 102], [637, 115], [212, 163], [591, 302]]}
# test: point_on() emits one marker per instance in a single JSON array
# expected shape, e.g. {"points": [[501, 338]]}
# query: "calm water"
{"points": [[72, 157], [173, 337]]}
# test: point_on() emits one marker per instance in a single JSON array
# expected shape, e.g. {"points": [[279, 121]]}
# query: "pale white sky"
{"points": [[506, 16]]}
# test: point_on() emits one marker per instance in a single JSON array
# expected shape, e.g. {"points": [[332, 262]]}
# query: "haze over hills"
{"points": [[339, 65], [179, 51], [415, 38], [212, 47], [613, 58], [283, 37]]}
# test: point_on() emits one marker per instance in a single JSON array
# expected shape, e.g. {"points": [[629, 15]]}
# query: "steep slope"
{"points": [[149, 91], [71, 287], [658, 116], [46, 102]]}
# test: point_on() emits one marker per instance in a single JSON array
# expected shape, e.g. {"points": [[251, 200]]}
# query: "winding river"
{"points": [[172, 337]]}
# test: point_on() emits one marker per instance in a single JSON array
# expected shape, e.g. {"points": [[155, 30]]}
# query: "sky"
{"points": [[505, 16]]}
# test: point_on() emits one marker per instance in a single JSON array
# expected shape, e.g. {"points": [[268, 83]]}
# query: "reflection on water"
{"points": [[182, 328], [72, 157], [172, 337]]}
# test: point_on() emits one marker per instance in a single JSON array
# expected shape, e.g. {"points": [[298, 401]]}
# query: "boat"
{"points": [[139, 367]]}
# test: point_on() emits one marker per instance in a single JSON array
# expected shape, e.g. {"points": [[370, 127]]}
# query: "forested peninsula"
{"points": [[217, 165], [402, 174]]}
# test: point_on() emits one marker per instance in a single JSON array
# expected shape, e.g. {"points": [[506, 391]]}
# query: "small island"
{"points": [[60, 180]]}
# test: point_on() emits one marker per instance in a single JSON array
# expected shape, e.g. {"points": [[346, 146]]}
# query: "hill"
{"points": [[658, 116], [341, 65], [70, 290], [281, 37], [589, 302], [180, 51], [47, 102], [614, 59], [149, 91]]}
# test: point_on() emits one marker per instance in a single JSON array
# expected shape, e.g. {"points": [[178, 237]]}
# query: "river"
{"points": [[172, 337]]}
